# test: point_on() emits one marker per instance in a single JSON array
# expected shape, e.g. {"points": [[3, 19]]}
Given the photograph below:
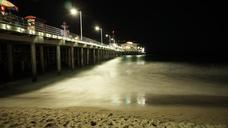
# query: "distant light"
{"points": [[32, 32], [48, 35], [22, 30], [141, 100], [74, 11], [143, 50], [97, 28], [3, 26], [116, 99], [8, 26], [68, 39], [19, 29], [76, 38], [112, 39], [64, 38], [40, 33], [106, 35], [128, 47], [59, 37], [115, 45], [54, 36], [129, 42], [128, 100]]}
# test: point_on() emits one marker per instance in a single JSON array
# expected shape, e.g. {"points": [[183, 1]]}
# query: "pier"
{"points": [[29, 51]]}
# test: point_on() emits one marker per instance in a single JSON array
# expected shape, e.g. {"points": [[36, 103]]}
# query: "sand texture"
{"points": [[79, 117]]}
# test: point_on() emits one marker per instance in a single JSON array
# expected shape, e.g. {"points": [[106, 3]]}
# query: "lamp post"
{"points": [[74, 12], [109, 38], [113, 40], [97, 28]]}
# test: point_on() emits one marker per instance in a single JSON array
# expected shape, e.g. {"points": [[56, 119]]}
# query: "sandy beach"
{"points": [[76, 117]]}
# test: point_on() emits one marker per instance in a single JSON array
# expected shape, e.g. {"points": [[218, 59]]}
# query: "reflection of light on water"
{"points": [[128, 100], [110, 70], [138, 56], [141, 99], [131, 59], [128, 56], [129, 72], [140, 62], [116, 99]]}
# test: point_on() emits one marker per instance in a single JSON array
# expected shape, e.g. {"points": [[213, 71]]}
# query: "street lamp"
{"points": [[75, 12], [109, 38], [97, 28], [112, 39]]}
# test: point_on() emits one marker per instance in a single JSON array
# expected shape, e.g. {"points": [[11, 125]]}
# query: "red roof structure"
{"points": [[30, 17]]}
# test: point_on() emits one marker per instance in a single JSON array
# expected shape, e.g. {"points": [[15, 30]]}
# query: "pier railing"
{"points": [[19, 24]]}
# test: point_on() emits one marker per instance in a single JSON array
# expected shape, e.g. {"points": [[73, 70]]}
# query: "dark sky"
{"points": [[194, 26]]}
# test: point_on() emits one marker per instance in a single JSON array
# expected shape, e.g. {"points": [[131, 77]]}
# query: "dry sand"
{"points": [[153, 117]]}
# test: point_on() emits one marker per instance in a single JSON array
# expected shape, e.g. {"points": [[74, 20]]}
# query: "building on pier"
{"points": [[131, 47]]}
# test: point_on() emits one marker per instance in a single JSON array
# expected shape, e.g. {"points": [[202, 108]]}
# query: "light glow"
{"points": [[59, 37], [97, 28], [18, 29], [129, 42], [143, 50], [3, 26], [32, 32], [8, 26], [22, 29], [115, 45], [48, 35], [141, 100], [74, 11], [40, 33], [54, 36], [76, 38]]}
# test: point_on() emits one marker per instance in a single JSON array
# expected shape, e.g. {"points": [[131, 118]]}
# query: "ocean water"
{"points": [[137, 80]]}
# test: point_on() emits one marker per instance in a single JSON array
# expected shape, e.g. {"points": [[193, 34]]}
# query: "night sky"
{"points": [[196, 26]]}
